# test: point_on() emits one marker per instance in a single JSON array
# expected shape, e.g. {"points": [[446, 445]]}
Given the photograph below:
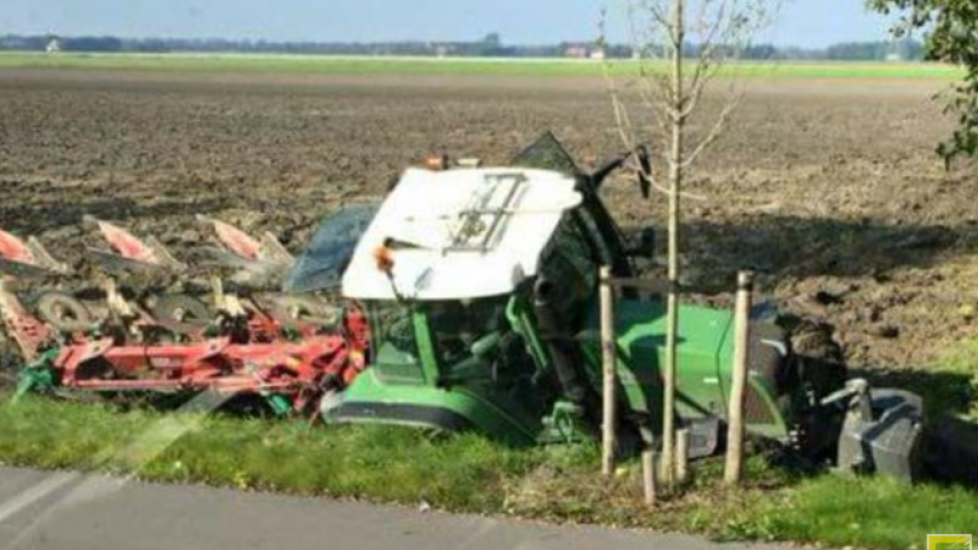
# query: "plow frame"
{"points": [[216, 365]]}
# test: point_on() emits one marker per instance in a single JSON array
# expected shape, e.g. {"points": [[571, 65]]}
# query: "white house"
{"points": [[54, 45]]}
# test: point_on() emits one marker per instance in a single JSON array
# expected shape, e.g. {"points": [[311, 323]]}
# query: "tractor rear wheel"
{"points": [[822, 363], [821, 371]]}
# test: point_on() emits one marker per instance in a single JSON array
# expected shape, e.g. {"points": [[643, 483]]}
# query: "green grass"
{"points": [[866, 513], [468, 473], [313, 64], [961, 365], [463, 473]]}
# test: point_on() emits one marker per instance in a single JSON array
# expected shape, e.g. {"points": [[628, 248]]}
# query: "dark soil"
{"points": [[830, 188]]}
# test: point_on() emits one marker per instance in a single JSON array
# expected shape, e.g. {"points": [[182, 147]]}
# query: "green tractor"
{"points": [[481, 287]]}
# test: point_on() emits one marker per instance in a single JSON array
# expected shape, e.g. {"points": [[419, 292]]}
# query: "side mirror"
{"points": [[485, 346], [643, 244]]}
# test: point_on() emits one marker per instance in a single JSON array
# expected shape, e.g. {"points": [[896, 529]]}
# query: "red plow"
{"points": [[290, 351]]}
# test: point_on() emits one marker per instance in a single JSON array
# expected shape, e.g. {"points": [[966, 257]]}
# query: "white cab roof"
{"points": [[460, 234]]}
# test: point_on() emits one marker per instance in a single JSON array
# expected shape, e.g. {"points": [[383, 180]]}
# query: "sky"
{"points": [[807, 23]]}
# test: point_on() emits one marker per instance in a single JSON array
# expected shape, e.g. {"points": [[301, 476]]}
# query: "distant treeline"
{"points": [[490, 46]]}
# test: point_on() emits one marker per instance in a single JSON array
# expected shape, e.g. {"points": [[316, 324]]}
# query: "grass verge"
{"points": [[407, 66], [865, 513], [461, 473], [469, 474]]}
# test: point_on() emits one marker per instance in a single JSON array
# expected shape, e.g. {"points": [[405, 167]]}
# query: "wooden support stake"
{"points": [[682, 456], [735, 430], [609, 358], [648, 477]]}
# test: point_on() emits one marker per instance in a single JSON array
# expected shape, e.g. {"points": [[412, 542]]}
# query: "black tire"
{"points": [[64, 313], [822, 363], [182, 314], [821, 371], [815, 340]]}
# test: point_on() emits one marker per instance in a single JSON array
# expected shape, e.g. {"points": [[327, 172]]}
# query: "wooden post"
{"points": [[609, 357], [682, 456], [735, 431], [648, 477]]}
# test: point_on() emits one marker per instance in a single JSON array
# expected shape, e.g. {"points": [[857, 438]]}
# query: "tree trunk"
{"points": [[675, 188]]}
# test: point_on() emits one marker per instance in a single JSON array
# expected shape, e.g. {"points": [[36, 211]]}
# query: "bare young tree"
{"points": [[681, 47]]}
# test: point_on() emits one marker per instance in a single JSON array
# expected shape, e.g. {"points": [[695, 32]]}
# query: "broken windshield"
{"points": [[321, 266]]}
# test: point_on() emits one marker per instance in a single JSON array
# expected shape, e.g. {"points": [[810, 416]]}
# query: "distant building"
{"points": [[577, 51], [584, 50], [904, 49]]}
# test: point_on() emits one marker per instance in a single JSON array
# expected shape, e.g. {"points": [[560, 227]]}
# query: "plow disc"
{"points": [[181, 314], [64, 313], [29, 258], [30, 334], [263, 258], [130, 253]]}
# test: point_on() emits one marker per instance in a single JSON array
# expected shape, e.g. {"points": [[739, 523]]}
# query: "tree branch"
{"points": [[715, 132]]}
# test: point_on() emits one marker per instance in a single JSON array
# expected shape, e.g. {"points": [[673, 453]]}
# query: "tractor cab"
{"points": [[444, 273], [481, 286]]}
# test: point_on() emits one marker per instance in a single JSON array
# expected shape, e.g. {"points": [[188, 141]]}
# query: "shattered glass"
{"points": [[321, 266], [547, 153]]}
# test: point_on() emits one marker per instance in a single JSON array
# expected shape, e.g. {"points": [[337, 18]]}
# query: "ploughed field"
{"points": [[829, 187]]}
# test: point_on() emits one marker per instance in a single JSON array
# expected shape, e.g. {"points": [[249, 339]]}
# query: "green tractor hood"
{"points": [[705, 359]]}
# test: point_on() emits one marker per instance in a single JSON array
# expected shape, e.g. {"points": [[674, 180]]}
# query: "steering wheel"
{"points": [[401, 332]]}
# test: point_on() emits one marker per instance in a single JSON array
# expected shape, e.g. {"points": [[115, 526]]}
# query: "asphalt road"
{"points": [[71, 511]]}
